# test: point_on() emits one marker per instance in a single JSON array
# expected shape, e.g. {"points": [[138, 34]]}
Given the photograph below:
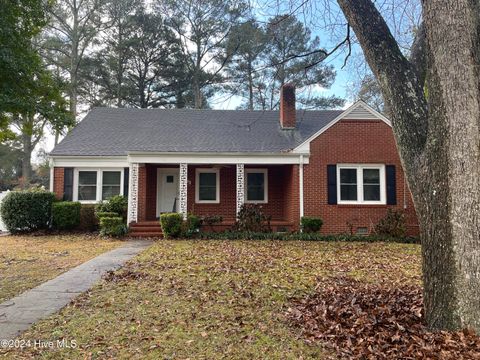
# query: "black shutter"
{"points": [[126, 172], [67, 184], [332, 184], [391, 185]]}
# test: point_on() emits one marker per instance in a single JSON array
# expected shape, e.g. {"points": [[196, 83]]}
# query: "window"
{"points": [[93, 185], [207, 186], [87, 185], [110, 184], [361, 184], [256, 189]]}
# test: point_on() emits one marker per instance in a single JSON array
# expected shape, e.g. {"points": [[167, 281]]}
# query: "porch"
{"points": [[212, 189]]}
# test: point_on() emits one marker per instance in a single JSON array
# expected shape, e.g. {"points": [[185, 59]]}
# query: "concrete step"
{"points": [[146, 234]]}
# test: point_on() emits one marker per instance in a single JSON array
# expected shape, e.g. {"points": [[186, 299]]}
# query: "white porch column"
{"points": [[183, 189], [133, 193], [300, 176], [240, 186]]}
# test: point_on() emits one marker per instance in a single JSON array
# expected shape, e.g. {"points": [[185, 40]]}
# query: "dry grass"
{"points": [[213, 300], [28, 261]]}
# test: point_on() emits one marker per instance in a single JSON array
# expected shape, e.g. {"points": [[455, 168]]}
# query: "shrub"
{"points": [[211, 220], [88, 220], [311, 224], [252, 218], [172, 224], [103, 214], [393, 224], [65, 215], [117, 204], [191, 225], [112, 226], [24, 211]]}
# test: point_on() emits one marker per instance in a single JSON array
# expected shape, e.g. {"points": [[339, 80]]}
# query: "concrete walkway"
{"points": [[17, 314]]}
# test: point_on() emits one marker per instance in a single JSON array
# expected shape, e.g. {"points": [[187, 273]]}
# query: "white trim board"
{"points": [[349, 114]]}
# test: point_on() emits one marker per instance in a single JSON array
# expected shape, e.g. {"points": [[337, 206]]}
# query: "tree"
{"points": [[154, 52], [73, 26], [438, 136], [287, 37], [202, 27], [246, 43], [104, 72], [20, 22], [47, 108]]}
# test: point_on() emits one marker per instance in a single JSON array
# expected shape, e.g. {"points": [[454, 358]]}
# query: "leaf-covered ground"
{"points": [[28, 261], [214, 300]]}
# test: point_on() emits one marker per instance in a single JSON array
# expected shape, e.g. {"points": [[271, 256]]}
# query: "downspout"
{"points": [[301, 185], [51, 175]]}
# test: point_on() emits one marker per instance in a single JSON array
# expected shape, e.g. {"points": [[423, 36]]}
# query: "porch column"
{"points": [[183, 189], [240, 186], [133, 193]]}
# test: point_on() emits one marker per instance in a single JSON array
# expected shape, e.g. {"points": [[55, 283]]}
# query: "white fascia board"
{"points": [[305, 146], [89, 161], [217, 158]]}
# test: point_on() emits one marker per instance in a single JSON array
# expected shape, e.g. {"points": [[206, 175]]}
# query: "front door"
{"points": [[167, 190]]}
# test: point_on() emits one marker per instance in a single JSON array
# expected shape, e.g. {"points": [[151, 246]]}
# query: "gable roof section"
{"points": [[358, 111], [118, 132]]}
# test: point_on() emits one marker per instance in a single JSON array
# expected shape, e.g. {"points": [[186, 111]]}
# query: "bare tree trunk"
{"points": [[250, 85], [27, 150], [439, 143]]}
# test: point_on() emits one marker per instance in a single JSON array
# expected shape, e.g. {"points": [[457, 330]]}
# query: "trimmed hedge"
{"points": [[112, 226], [311, 224], [88, 220], [103, 214], [172, 224], [25, 211], [235, 235], [117, 204], [65, 215]]}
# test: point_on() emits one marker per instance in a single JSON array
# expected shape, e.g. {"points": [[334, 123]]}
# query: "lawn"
{"points": [[213, 299], [28, 261]]}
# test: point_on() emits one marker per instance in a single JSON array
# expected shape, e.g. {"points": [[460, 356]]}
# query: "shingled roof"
{"points": [[117, 132]]}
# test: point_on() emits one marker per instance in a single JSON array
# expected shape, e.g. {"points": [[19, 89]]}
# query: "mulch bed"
{"points": [[371, 321]]}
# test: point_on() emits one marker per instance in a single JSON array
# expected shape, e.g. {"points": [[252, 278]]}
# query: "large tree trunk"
{"points": [[438, 136]]}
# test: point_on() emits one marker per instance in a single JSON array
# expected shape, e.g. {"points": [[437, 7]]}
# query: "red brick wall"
{"points": [[58, 182], [352, 142]]}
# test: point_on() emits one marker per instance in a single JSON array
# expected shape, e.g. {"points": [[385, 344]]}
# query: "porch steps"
{"points": [[146, 229]]}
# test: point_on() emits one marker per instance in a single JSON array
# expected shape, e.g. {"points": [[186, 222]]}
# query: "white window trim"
{"points": [[360, 168], [265, 187], [99, 183], [199, 171]]}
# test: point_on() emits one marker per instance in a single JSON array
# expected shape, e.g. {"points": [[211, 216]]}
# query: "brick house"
{"points": [[342, 166]]}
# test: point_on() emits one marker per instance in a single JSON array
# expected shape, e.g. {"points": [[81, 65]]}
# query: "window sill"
{"points": [[363, 205]]}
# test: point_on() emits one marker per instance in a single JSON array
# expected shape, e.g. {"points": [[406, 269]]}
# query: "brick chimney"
{"points": [[287, 106]]}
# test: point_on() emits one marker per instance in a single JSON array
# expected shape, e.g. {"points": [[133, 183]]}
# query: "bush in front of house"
{"points": [[65, 215], [26, 211], [191, 226], [252, 218], [172, 225], [393, 224], [103, 214], [88, 220], [311, 224], [116, 204], [112, 226]]}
